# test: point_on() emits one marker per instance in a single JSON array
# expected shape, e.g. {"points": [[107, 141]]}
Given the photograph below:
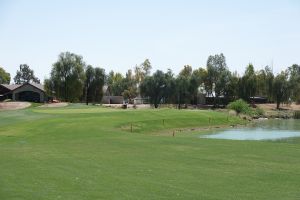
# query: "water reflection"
{"points": [[263, 130]]}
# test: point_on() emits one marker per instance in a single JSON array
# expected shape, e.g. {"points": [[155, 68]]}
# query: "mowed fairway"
{"points": [[85, 153]]}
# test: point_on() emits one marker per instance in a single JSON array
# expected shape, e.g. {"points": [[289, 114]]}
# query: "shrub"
{"points": [[240, 106], [297, 115], [259, 112]]}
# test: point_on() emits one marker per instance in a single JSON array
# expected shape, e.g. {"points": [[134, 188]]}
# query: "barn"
{"points": [[31, 92]]}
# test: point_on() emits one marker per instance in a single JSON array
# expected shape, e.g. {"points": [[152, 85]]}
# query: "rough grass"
{"points": [[82, 152]]}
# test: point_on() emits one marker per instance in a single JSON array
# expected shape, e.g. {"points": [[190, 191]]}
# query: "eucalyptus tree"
{"points": [[218, 76], [25, 75], [142, 70]]}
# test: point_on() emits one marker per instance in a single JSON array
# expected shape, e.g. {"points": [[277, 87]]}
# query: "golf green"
{"points": [[86, 152]]}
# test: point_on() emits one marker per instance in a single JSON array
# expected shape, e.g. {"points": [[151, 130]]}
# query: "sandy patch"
{"points": [[54, 105], [267, 107], [14, 105]]}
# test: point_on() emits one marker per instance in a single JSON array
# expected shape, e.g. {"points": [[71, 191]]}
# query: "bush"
{"points": [[240, 106], [259, 112], [297, 115]]}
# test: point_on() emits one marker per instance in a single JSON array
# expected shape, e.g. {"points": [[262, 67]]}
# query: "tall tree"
{"points": [[115, 83], [4, 76], [89, 79], [154, 87], [98, 83], [25, 75], [142, 70], [232, 88], [294, 81], [186, 84], [269, 82], [281, 88], [68, 76], [182, 90], [248, 83], [130, 86], [218, 76]]}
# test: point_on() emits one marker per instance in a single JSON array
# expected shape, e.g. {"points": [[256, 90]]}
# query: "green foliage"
{"points": [[25, 75], [248, 83], [281, 88], [115, 83], [259, 112], [294, 82], [218, 77], [68, 77], [4, 76], [155, 87], [94, 82], [240, 106]]}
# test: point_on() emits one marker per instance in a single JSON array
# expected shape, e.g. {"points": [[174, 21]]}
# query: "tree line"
{"points": [[72, 80]]}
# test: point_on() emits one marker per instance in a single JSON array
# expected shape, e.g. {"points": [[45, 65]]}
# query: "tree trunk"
{"points": [[86, 96]]}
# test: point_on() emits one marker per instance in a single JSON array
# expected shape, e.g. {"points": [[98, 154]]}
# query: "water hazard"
{"points": [[263, 130]]}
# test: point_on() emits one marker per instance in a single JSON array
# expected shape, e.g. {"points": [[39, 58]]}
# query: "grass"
{"points": [[80, 152]]}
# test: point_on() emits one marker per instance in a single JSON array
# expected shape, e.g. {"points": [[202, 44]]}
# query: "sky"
{"points": [[117, 35]]}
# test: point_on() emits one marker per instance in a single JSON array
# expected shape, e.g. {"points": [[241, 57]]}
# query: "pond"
{"points": [[274, 129]]}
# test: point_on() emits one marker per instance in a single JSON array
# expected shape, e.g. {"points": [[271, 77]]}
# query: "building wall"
{"points": [[28, 87], [112, 100]]}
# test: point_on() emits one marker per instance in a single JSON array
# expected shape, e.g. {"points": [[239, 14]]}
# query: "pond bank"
{"points": [[285, 112]]}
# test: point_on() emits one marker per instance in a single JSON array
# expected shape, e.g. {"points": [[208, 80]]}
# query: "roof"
{"points": [[39, 86], [15, 86], [11, 87]]}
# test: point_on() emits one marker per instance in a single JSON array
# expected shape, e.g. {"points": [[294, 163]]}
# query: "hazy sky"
{"points": [[117, 35]]}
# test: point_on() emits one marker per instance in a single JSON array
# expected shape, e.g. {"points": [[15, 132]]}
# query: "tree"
{"points": [[130, 86], [264, 80], [280, 88], [248, 83], [115, 83], [94, 82], [182, 89], [170, 87], [142, 70], [98, 83], [89, 79], [4, 76], [232, 88], [185, 85], [154, 87], [49, 87], [269, 82], [218, 76], [294, 81], [68, 76], [25, 75]]}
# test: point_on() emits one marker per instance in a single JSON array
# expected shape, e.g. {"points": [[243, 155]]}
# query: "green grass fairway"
{"points": [[86, 153]]}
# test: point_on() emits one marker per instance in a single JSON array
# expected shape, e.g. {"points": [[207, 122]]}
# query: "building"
{"points": [[109, 99], [32, 92]]}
